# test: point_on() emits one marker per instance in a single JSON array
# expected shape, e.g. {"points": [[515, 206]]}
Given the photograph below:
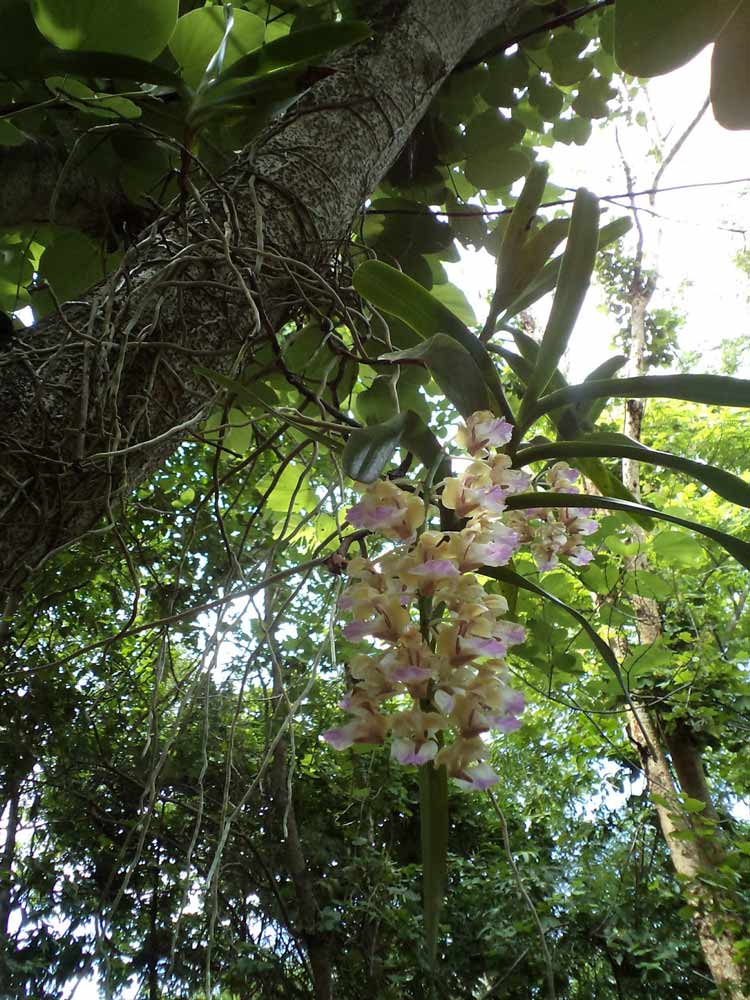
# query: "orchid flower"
{"points": [[436, 680]]}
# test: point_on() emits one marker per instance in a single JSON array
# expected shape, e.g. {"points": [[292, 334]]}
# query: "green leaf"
{"points": [[376, 403], [677, 549], [393, 292], [198, 35], [716, 390], [606, 445], [300, 46], [489, 169], [653, 37], [453, 369], [433, 814], [509, 576], [546, 98], [550, 273], [454, 299], [20, 42], [54, 62], [370, 449], [71, 264], [139, 28], [573, 282], [734, 546], [730, 72], [588, 413], [260, 98], [571, 131], [511, 272]]}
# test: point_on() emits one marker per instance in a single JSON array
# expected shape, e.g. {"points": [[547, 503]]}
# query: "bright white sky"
{"points": [[695, 265], [697, 273]]}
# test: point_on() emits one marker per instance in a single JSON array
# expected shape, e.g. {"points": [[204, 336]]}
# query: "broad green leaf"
{"points": [[678, 549], [433, 815], [198, 35], [376, 403], [393, 292], [573, 282], [716, 390], [139, 28], [300, 46], [453, 369], [548, 276], [72, 263], [730, 72], [607, 445], [454, 299], [370, 449], [734, 546], [656, 36]]}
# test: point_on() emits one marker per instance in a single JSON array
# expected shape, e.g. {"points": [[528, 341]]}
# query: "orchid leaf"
{"points": [[575, 276], [715, 390], [298, 47], [453, 369], [606, 445], [550, 273], [60, 62], [398, 295], [370, 449]]}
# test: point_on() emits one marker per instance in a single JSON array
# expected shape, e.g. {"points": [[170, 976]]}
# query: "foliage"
{"points": [[173, 822]]}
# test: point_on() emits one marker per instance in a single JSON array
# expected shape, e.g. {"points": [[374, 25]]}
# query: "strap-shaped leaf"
{"points": [[58, 62], [433, 814], [512, 277], [453, 369], [298, 47], [370, 449], [589, 412], [734, 546], [395, 293], [548, 276], [714, 390], [509, 576], [269, 94], [569, 425], [575, 277], [606, 445]]}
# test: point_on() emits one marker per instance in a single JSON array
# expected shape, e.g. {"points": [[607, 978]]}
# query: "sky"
{"points": [[696, 268], [695, 254]]}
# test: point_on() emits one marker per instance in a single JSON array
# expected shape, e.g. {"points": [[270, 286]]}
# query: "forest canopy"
{"points": [[352, 646]]}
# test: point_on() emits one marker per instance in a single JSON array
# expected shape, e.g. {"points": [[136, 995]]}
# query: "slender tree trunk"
{"points": [[13, 800], [8, 855], [693, 846]]}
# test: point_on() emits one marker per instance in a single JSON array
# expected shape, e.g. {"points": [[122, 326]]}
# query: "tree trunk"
{"points": [[693, 847], [13, 794], [93, 399]]}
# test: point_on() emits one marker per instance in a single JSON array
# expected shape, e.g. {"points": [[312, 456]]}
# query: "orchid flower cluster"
{"points": [[436, 664]]}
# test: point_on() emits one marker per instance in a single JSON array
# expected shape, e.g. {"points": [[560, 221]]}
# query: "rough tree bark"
{"points": [[97, 396]]}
